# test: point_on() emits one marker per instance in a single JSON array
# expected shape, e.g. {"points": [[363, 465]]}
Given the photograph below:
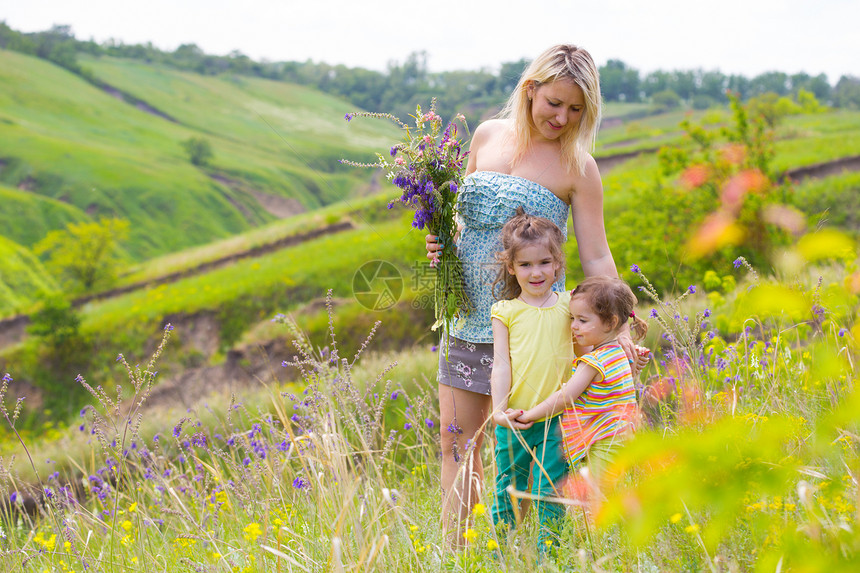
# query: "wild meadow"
{"points": [[746, 459], [746, 456]]}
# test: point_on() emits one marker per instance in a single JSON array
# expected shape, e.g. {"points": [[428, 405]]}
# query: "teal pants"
{"points": [[515, 452]]}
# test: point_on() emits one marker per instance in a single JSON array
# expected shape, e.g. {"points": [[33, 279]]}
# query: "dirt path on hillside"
{"points": [[134, 101], [14, 329]]}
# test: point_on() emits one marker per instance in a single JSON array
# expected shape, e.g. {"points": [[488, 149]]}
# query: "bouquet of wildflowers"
{"points": [[428, 167]]}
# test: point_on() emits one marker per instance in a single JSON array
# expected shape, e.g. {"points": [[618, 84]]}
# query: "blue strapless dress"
{"points": [[485, 203]]}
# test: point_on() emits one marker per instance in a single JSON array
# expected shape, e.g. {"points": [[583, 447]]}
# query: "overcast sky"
{"points": [[734, 36]]}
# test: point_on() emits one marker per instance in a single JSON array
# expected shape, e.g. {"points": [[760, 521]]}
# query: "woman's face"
{"points": [[556, 107]]}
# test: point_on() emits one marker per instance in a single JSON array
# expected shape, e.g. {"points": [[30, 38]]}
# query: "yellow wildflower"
{"points": [[470, 535], [132, 508], [675, 518], [127, 525], [492, 545], [252, 531], [479, 509], [692, 529]]}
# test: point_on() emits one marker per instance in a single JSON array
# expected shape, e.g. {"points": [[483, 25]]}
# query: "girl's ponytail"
{"points": [[638, 327]]}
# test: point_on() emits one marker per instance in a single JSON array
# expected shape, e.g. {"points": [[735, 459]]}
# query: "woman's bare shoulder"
{"points": [[492, 128]]}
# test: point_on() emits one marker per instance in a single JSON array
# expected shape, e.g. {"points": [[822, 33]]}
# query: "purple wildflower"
{"points": [[707, 313], [394, 395], [653, 313], [738, 262], [691, 289], [842, 331], [635, 269], [407, 426], [429, 422], [301, 484], [168, 327], [348, 117], [393, 151]]}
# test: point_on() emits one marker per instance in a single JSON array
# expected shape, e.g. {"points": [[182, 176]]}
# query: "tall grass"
{"points": [[747, 460]]}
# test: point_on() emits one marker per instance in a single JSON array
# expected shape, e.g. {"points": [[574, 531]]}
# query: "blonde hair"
{"points": [[560, 62], [520, 231], [611, 299]]}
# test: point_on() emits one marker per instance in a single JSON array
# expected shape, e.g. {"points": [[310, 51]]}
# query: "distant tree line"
{"points": [[403, 85]]}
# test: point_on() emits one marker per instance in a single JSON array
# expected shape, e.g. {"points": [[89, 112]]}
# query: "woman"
{"points": [[535, 155]]}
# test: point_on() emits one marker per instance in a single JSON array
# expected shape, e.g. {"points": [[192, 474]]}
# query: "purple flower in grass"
{"points": [[301, 483], [429, 422], [348, 117], [842, 331], [691, 289], [407, 426], [738, 262], [653, 313], [246, 462], [635, 269]]}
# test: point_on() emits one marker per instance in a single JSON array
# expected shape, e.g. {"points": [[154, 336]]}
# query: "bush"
{"points": [[666, 100], [199, 151]]}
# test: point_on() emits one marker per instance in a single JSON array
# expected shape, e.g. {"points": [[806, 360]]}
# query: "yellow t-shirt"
{"points": [[541, 348]]}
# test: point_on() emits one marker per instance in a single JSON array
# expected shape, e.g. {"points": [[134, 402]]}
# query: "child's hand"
{"points": [[527, 418], [508, 419], [643, 355]]}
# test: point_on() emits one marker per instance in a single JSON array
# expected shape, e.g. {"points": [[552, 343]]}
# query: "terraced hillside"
{"points": [[71, 151]]}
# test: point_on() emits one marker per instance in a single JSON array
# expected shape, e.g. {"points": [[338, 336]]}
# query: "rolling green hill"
{"points": [[72, 151]]}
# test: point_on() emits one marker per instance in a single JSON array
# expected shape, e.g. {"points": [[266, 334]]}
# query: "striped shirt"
{"points": [[607, 407]]}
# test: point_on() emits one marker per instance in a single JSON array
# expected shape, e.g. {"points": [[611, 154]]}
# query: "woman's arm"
{"points": [[584, 375], [586, 202]]}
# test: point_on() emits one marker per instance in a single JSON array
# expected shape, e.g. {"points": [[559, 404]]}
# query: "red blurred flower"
{"points": [[695, 176]]}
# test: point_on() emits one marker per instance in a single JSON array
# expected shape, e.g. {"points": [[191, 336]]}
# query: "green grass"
{"points": [[28, 217], [816, 138], [22, 278], [359, 209], [73, 143], [745, 460]]}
